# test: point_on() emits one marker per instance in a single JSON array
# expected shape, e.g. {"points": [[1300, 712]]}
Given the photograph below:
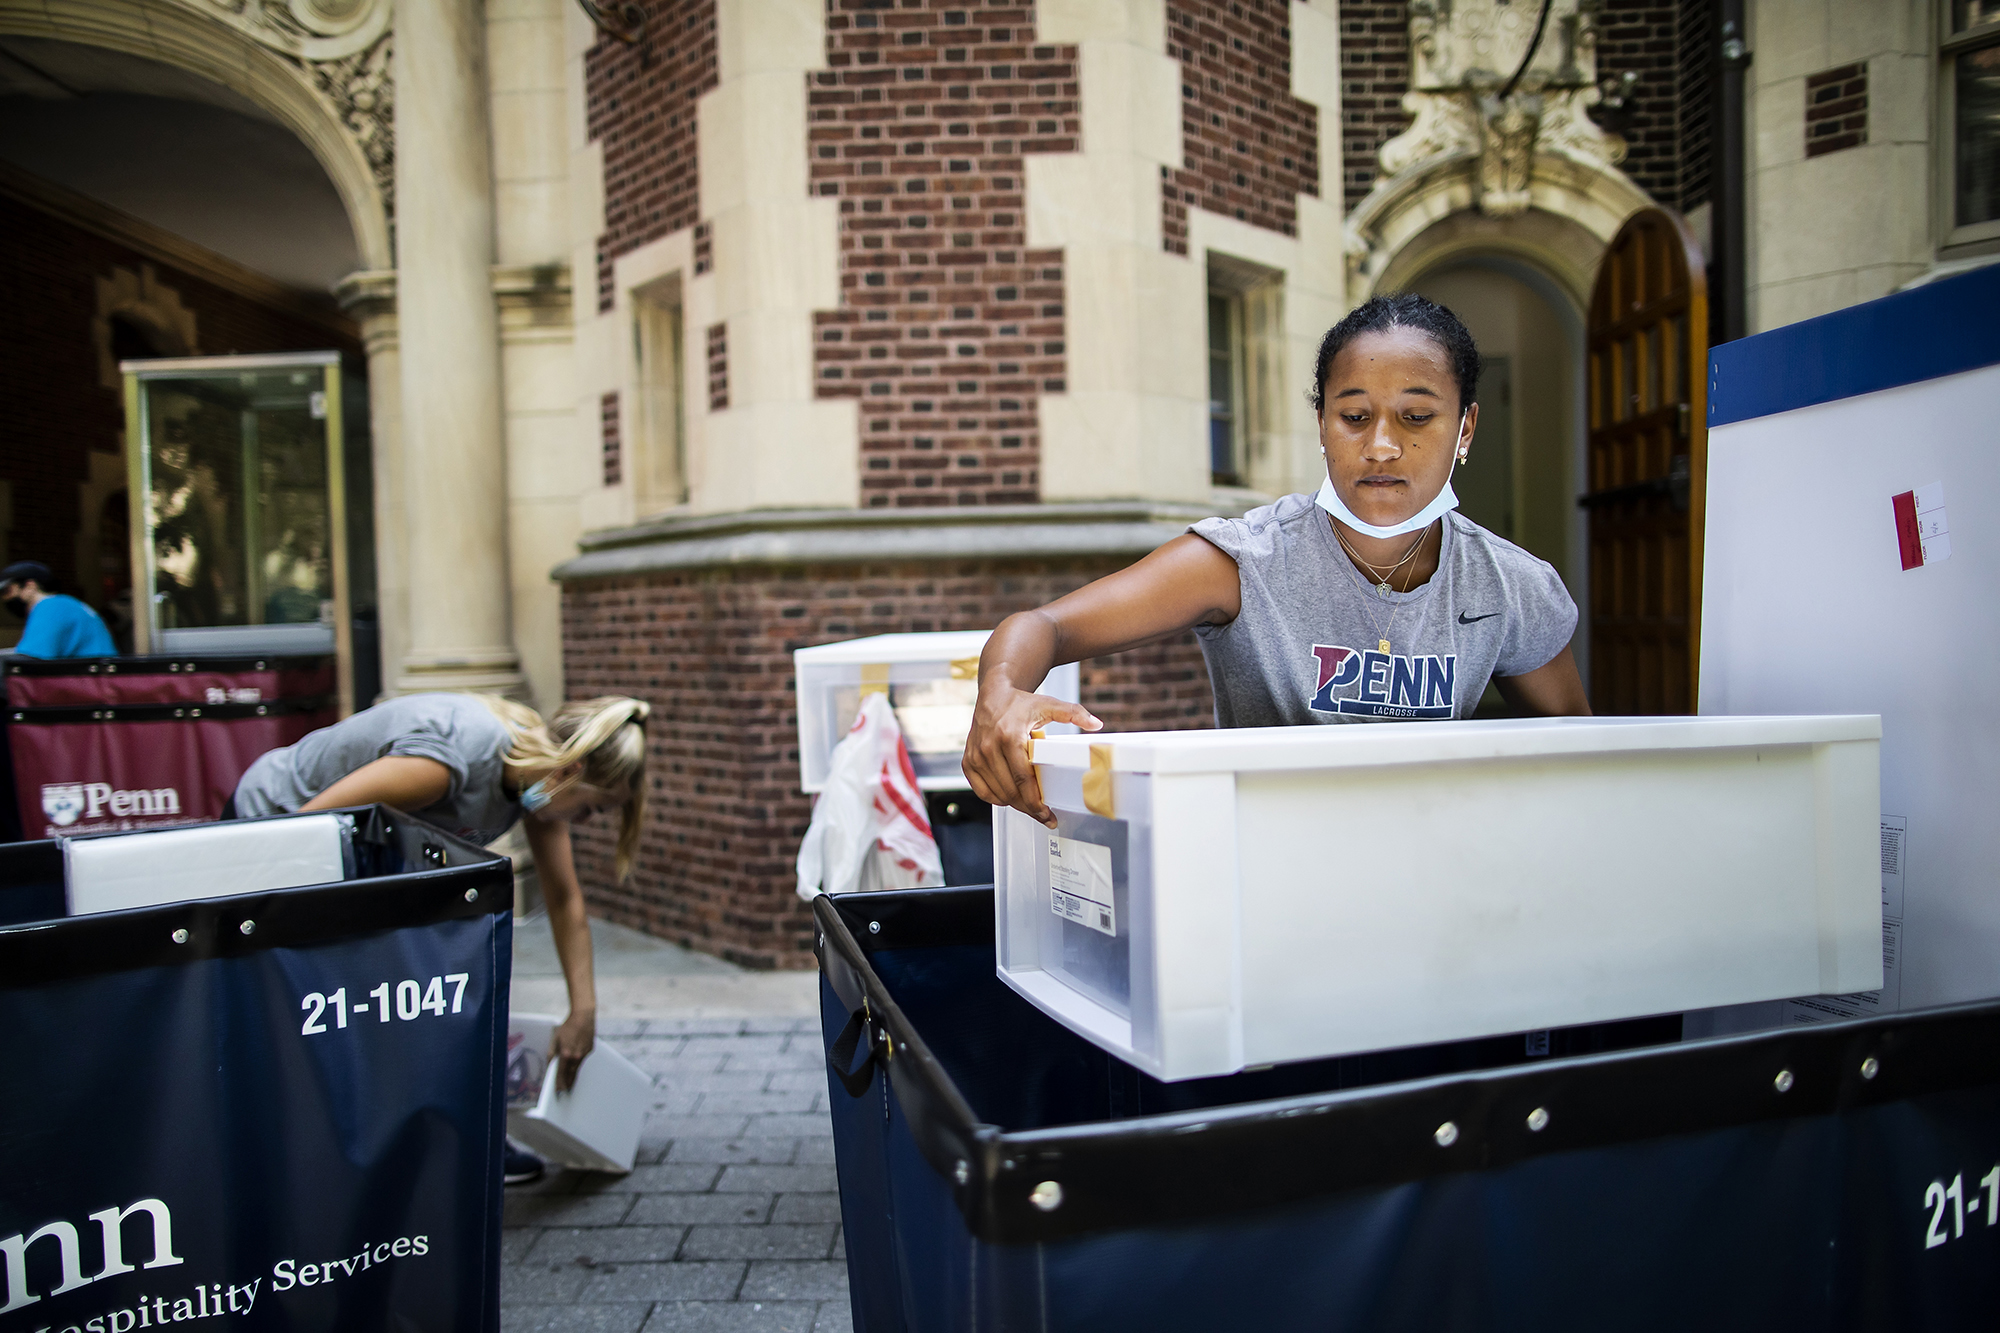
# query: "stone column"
{"points": [[369, 298], [454, 462]]}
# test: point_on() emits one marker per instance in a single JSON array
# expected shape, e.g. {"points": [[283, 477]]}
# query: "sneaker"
{"points": [[519, 1166]]}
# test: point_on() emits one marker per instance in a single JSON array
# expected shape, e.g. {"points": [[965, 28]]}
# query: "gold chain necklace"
{"points": [[1382, 589]]}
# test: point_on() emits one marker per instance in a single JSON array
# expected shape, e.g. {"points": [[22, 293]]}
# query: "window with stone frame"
{"points": [[1969, 120], [657, 452], [1245, 370]]}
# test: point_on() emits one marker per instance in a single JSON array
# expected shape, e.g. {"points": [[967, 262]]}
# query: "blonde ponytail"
{"points": [[606, 735]]}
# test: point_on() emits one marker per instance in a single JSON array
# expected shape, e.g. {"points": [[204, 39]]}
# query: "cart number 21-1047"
{"points": [[1937, 1194], [411, 1000]]}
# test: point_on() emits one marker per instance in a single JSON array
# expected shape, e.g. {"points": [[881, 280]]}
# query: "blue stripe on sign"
{"points": [[1941, 328]]}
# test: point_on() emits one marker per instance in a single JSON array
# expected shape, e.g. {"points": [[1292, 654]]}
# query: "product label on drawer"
{"points": [[1080, 883]]}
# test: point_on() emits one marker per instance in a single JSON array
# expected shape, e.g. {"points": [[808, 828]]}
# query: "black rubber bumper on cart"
{"points": [[281, 1106], [999, 1172]]}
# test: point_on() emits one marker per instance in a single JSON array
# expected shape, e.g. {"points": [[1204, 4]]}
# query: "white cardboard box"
{"points": [[595, 1125], [933, 683], [1291, 893], [152, 867]]}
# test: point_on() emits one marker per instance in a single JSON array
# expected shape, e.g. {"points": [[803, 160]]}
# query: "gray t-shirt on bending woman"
{"points": [[456, 730], [1305, 648]]}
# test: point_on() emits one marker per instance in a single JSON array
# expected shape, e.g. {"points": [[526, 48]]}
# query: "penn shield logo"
{"points": [[66, 802], [1384, 685]]}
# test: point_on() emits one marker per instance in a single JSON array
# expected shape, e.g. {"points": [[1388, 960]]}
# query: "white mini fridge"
{"points": [[1217, 900]]}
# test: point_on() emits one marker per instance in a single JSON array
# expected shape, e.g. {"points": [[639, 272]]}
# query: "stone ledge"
{"points": [[885, 536]]}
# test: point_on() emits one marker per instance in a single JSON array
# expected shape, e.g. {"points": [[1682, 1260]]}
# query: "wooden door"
{"points": [[1647, 463]]}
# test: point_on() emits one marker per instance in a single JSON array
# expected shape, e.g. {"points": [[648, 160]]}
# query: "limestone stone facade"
{"points": [[651, 315]]}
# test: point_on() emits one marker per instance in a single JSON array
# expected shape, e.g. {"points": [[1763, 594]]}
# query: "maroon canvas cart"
{"points": [[144, 742]]}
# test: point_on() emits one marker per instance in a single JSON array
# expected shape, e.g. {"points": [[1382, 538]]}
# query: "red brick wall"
{"points": [[1642, 36], [1251, 147], [712, 652], [1374, 75], [57, 407], [948, 326], [639, 103]]}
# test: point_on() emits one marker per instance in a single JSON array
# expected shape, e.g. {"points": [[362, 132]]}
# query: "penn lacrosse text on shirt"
{"points": [[1385, 685]]}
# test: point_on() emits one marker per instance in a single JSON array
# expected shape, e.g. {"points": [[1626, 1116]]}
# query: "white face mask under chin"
{"points": [[1446, 501]]}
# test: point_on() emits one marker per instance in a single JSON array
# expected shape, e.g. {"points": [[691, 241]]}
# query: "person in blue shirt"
{"points": [[58, 625]]}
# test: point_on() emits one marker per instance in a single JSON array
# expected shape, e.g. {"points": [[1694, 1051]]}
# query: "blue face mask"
{"points": [[536, 797]]}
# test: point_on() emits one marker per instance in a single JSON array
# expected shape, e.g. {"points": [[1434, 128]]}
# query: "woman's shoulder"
{"points": [[1262, 530], [1481, 552]]}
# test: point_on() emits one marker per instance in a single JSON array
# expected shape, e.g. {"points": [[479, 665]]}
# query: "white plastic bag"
{"points": [[869, 830]]}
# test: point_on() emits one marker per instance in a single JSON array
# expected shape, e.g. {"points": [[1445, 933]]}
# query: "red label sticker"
{"points": [[1909, 537]]}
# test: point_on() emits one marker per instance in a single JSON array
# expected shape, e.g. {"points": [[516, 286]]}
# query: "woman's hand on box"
{"points": [[572, 1040], [996, 751]]}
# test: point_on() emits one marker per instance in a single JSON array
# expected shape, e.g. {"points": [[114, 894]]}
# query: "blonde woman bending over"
{"points": [[472, 764]]}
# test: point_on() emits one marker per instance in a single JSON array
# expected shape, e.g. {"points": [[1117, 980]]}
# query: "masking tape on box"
{"points": [[875, 678], [1097, 783]]}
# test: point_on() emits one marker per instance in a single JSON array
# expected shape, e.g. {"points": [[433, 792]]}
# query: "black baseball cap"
{"points": [[21, 571]]}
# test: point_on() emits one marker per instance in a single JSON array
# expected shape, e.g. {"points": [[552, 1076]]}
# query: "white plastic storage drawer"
{"points": [[1215, 900], [932, 682]]}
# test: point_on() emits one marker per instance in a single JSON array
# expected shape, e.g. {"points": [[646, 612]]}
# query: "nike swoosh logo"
{"points": [[1464, 619]]}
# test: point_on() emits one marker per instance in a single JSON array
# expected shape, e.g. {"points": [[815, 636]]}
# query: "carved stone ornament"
{"points": [[307, 30], [1466, 54], [343, 48]]}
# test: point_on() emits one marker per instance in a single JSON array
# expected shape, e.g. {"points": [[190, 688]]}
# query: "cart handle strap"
{"points": [[856, 1078]]}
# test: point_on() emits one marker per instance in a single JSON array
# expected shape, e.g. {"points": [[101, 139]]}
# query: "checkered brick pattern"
{"points": [[614, 451], [948, 326], [730, 1220], [712, 652], [1251, 147], [718, 367], [1374, 75], [640, 105], [1836, 110]]}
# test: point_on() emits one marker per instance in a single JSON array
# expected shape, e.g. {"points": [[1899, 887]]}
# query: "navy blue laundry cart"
{"points": [[998, 1172], [276, 1110]]}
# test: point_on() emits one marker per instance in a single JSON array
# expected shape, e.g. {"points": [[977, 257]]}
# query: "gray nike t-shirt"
{"points": [[1305, 647], [456, 730]]}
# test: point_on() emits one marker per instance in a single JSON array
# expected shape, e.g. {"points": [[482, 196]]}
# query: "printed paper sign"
{"points": [[1923, 536], [1080, 883], [1824, 1008]]}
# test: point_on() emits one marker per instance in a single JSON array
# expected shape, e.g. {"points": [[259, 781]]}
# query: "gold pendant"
{"points": [[1383, 644]]}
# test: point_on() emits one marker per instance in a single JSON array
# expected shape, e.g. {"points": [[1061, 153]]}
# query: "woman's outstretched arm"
{"points": [[1187, 582], [555, 867]]}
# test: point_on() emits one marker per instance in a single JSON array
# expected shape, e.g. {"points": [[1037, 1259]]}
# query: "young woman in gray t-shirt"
{"points": [[473, 764], [1369, 602]]}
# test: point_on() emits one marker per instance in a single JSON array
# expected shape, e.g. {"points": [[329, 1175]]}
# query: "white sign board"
{"points": [[1851, 566]]}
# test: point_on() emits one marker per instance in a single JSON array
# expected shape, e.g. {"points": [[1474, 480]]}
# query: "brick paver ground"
{"points": [[729, 1223]]}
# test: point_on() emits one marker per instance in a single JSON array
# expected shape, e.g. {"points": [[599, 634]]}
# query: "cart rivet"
{"points": [[874, 927], [248, 927], [1869, 1068], [1447, 1134], [962, 1172], [1046, 1196], [1783, 1082], [472, 895], [181, 936], [1538, 1120]]}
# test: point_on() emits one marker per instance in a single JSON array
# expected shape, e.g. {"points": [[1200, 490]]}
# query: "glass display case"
{"points": [[241, 539]]}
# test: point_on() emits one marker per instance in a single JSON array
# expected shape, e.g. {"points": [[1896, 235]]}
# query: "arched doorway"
{"points": [[171, 189], [1521, 284]]}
